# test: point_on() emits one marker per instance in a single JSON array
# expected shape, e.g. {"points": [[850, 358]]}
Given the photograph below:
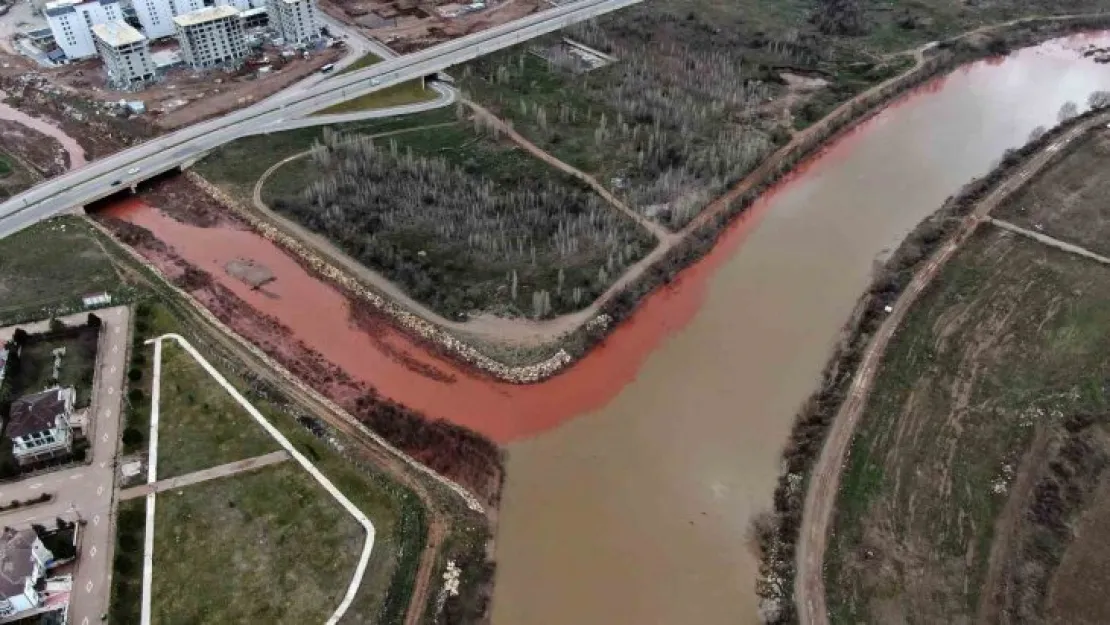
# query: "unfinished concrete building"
{"points": [[126, 55], [211, 37], [295, 20]]}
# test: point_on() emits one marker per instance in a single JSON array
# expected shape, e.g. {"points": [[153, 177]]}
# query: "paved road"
{"points": [[81, 186], [204, 475], [86, 491]]}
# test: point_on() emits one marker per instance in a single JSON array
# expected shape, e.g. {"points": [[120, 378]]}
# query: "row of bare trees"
{"points": [[460, 242], [682, 114]]}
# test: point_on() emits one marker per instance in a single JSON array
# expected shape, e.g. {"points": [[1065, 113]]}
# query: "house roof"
{"points": [[35, 413], [205, 15], [16, 563]]}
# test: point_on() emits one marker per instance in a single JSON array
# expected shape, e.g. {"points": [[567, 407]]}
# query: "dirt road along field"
{"points": [[824, 479]]}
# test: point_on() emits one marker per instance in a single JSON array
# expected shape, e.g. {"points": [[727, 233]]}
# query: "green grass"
{"points": [[363, 62], [1010, 329], [5, 167], [410, 92], [200, 424], [127, 563], [266, 546], [238, 165], [36, 363], [51, 264], [396, 512]]}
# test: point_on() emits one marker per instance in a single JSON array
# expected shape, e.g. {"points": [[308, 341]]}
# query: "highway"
{"points": [[138, 163]]}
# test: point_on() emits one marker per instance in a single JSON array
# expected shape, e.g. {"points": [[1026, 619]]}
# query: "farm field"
{"points": [[977, 482]]}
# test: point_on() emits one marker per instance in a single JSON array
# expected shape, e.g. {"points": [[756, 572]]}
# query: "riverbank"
{"points": [[916, 260], [591, 326]]}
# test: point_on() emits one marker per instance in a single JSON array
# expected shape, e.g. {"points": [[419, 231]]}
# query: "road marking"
{"points": [[77, 476], [89, 586], [111, 389], [113, 370], [115, 349], [96, 519], [103, 464], [36, 486], [117, 329], [105, 437], [85, 621], [99, 490], [92, 551], [107, 413]]}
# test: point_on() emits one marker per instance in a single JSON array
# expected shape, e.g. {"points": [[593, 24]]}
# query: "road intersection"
{"points": [[107, 176]]}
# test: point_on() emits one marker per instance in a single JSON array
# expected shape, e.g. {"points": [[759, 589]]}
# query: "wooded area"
{"points": [[459, 240]]}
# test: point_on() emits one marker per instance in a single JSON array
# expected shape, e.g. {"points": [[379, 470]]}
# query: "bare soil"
{"points": [[408, 25], [40, 153]]}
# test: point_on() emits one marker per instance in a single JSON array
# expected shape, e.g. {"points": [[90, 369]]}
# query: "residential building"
{"points": [[211, 37], [255, 18], [295, 20], [71, 21], [39, 425], [126, 55], [156, 16], [23, 563]]}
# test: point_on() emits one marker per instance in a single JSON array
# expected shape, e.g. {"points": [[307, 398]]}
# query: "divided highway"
{"points": [[133, 165]]}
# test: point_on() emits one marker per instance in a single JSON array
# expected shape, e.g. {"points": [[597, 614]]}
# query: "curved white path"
{"points": [[148, 556]]}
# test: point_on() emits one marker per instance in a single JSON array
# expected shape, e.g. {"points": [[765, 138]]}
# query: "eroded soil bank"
{"points": [[638, 511]]}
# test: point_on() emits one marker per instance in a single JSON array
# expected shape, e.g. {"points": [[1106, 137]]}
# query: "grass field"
{"points": [[1068, 201], [127, 565], [363, 62], [51, 263], [200, 425], [1012, 337], [36, 370], [238, 165], [264, 546], [397, 514], [410, 92]]}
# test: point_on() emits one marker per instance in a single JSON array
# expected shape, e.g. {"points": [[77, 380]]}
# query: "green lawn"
{"points": [[396, 512], [36, 363], [127, 564], [200, 425], [409, 92], [238, 165], [267, 546], [51, 263], [363, 62]]}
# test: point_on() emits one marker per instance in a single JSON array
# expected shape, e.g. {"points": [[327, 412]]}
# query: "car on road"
{"points": [[115, 183], [132, 171], [374, 82]]}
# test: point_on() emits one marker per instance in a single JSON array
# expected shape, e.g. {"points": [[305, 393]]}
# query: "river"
{"points": [[75, 151], [633, 477]]}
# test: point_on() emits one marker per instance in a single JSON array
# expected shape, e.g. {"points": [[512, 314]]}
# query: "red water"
{"points": [[320, 316], [635, 509]]}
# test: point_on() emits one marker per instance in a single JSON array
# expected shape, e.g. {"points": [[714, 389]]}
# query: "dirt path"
{"points": [[1051, 242], [660, 233], [204, 475], [824, 478]]}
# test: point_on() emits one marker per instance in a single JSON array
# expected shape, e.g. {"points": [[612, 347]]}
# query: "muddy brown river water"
{"points": [[633, 478]]}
